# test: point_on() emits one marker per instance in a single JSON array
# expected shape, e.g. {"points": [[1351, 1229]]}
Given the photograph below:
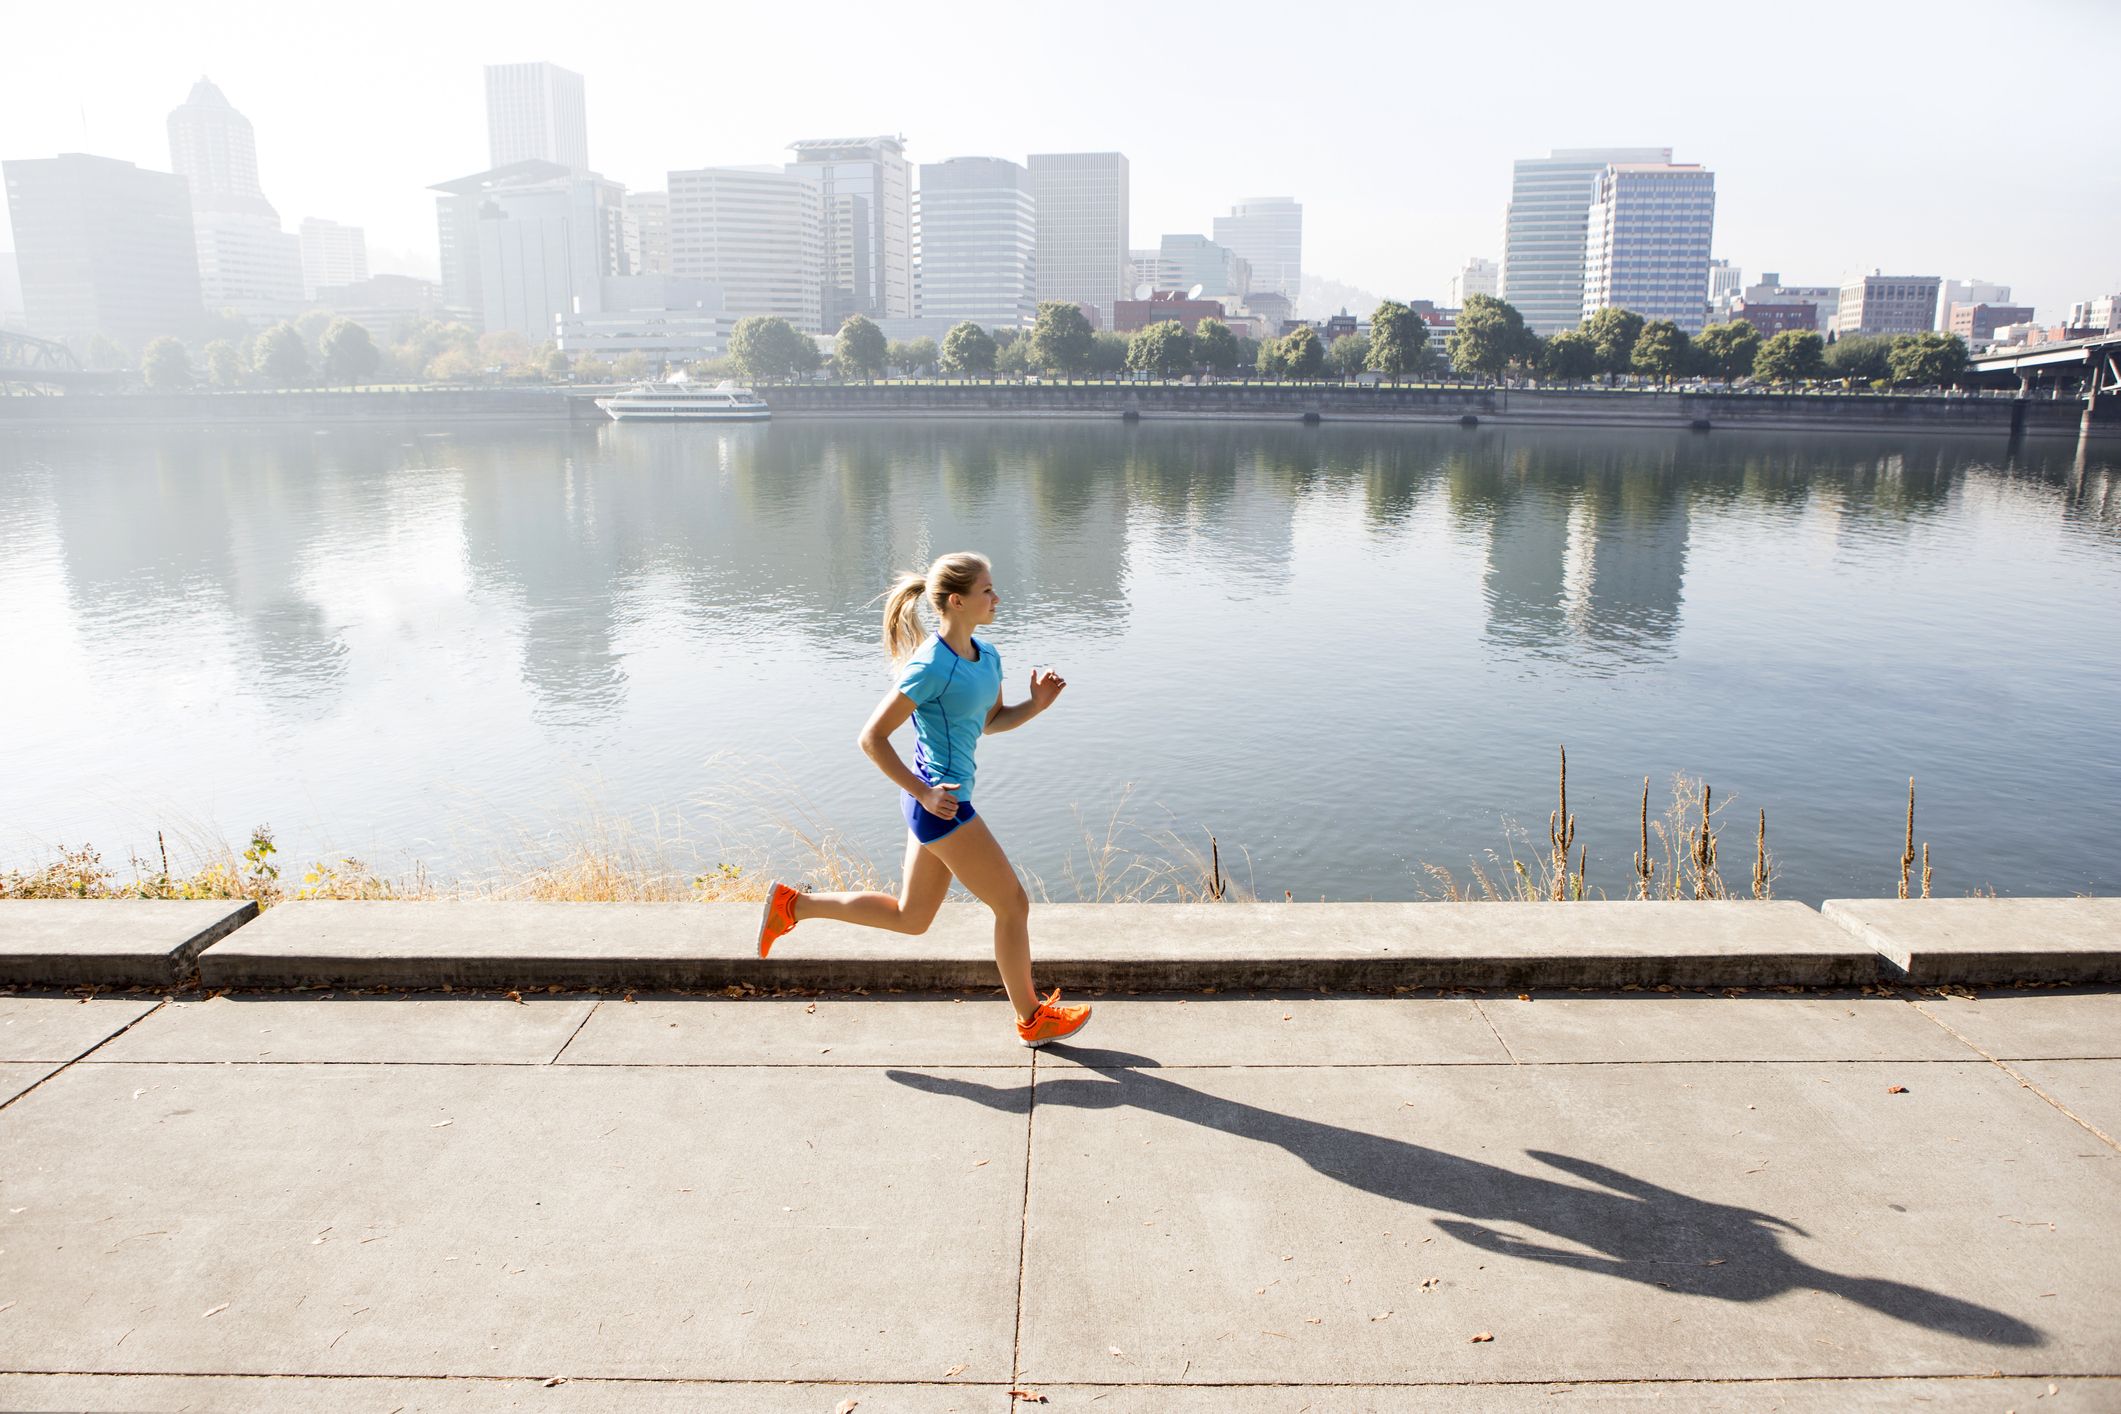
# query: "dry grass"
{"points": [[1124, 861]]}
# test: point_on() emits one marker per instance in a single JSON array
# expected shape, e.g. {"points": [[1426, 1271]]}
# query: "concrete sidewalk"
{"points": [[1805, 1202]]}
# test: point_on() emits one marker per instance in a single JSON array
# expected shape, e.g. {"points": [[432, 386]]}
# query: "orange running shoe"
{"points": [[777, 917], [1052, 1022]]}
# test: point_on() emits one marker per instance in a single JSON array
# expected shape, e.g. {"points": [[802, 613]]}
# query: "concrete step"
{"points": [[110, 942], [1355, 946], [1970, 940]]}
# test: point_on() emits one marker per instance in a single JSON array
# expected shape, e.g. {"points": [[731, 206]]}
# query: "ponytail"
{"points": [[902, 616], [951, 574]]}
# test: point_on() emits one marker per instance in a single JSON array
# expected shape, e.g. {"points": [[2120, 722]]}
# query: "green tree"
{"points": [[1397, 337], [311, 324], [1108, 352], [630, 367], [1571, 355], [768, 346], [349, 354], [1303, 352], [590, 369], [1614, 331], [1214, 345], [860, 350], [1790, 357], [280, 355], [1862, 358], [224, 363], [413, 356], [1273, 358], [1348, 355], [558, 365], [921, 355], [1061, 340], [457, 364], [1727, 351], [165, 366], [106, 355], [1923, 360], [968, 351], [1490, 335], [1660, 350], [1013, 359], [1163, 348], [504, 349]]}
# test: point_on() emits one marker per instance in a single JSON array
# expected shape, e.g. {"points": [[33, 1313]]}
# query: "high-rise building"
{"points": [[103, 247], [865, 201], [332, 254], [755, 231], [1976, 324], [1887, 304], [1957, 292], [1082, 228], [246, 262], [2102, 315], [522, 243], [1544, 229], [1268, 232], [1141, 271], [1772, 303], [1186, 261], [1726, 282], [978, 242], [1479, 276], [1646, 241], [536, 111], [11, 312], [648, 233]]}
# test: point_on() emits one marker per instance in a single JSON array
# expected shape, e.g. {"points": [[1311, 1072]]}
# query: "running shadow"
{"points": [[1613, 1223]]}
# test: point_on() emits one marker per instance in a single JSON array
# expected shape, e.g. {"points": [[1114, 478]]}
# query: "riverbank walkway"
{"points": [[1873, 1197]]}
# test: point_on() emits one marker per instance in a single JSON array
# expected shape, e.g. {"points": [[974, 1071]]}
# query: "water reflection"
{"points": [[622, 578]]}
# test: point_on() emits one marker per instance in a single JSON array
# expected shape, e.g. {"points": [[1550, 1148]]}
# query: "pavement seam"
{"points": [[593, 1006], [2023, 1080], [68, 1065], [1491, 1027], [1989, 1376], [1023, 1229]]}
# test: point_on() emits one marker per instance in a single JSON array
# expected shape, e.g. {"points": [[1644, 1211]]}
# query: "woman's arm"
{"points": [[1002, 718], [875, 741]]}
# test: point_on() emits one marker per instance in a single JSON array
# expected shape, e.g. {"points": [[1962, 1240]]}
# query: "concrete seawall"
{"points": [[1450, 406]]}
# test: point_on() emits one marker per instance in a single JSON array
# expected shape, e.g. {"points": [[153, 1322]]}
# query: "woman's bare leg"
{"points": [[927, 880], [975, 856]]}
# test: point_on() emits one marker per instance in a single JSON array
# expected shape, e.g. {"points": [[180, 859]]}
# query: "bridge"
{"points": [[2088, 368], [33, 365]]}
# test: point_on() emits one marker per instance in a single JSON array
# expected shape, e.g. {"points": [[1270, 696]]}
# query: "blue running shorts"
{"points": [[928, 827]]}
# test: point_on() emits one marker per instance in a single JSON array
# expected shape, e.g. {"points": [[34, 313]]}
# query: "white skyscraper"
{"points": [[1646, 242], [536, 110], [1953, 292], [332, 254], [1726, 287], [246, 262], [755, 231], [978, 242], [1477, 277], [526, 243], [1268, 233], [1082, 228], [1544, 227], [647, 233], [1184, 261], [865, 194]]}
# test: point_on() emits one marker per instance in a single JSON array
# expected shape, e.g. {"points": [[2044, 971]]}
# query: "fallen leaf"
{"points": [[980, 1164], [1429, 1283], [1028, 1396], [1285, 1016], [443, 1125], [1524, 996], [953, 1372], [1381, 1315], [517, 998], [809, 1009], [629, 999], [1715, 1261], [214, 1312], [555, 1380], [1314, 1320], [845, 1406], [1117, 1353], [1896, 1089], [1483, 1336], [553, 987]]}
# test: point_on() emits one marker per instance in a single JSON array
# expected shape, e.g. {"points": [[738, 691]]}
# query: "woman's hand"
{"points": [[939, 801], [1046, 688]]}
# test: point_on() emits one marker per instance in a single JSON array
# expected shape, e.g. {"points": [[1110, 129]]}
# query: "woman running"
{"points": [[950, 684]]}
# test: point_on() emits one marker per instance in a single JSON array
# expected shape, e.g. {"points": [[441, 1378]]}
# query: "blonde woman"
{"points": [[950, 684]]}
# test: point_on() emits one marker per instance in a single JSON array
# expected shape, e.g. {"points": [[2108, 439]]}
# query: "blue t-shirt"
{"points": [[951, 698]]}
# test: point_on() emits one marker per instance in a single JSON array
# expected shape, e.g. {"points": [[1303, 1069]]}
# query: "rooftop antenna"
{"points": [[1144, 291], [1194, 293]]}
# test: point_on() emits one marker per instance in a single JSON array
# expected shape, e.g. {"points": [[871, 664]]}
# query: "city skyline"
{"points": [[1898, 188]]}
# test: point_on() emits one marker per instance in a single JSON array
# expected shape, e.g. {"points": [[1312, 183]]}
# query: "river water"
{"points": [[1347, 651]]}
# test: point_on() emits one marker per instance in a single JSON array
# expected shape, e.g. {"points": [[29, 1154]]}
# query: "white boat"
{"points": [[683, 401]]}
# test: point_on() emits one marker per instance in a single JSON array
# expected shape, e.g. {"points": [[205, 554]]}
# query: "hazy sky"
{"points": [[1934, 138]]}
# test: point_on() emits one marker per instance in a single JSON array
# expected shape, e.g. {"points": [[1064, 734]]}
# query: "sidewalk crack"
{"points": [[69, 1065], [2023, 1080], [1023, 1232], [1491, 1028], [576, 1032]]}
